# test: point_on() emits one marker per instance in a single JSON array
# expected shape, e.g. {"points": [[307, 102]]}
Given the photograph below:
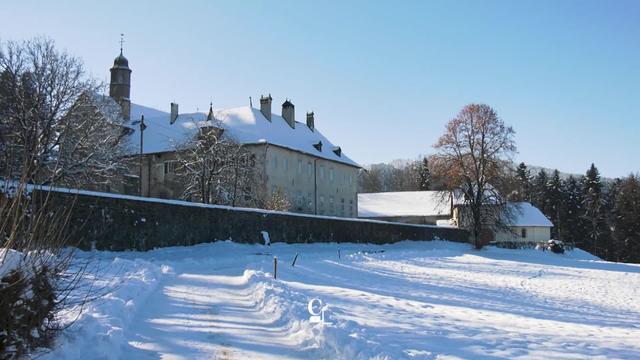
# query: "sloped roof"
{"points": [[245, 124], [430, 203], [528, 215], [404, 203]]}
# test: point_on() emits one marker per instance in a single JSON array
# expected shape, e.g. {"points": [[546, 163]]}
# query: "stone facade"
{"points": [[313, 185]]}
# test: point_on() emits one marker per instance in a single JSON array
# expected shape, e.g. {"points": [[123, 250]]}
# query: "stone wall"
{"points": [[116, 222]]}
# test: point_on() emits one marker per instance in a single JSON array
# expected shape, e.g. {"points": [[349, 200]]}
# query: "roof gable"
{"points": [[526, 214]]}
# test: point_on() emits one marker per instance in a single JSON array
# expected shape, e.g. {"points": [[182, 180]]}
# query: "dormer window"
{"points": [[337, 150], [318, 146]]}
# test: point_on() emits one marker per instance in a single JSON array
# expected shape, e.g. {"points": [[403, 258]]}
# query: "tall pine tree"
{"points": [[594, 206], [523, 183], [424, 175], [572, 220], [610, 195], [539, 191], [554, 203], [626, 225]]}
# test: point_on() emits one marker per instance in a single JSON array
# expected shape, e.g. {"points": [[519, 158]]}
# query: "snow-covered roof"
{"points": [[430, 203], [404, 203], [244, 124], [526, 214]]}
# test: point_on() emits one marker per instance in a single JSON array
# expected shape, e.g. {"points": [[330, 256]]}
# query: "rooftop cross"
{"points": [[121, 42]]}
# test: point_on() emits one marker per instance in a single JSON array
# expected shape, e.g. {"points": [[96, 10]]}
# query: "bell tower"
{"points": [[120, 86]]}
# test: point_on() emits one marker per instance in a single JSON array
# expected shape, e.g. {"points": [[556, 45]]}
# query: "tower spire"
{"points": [[210, 115], [120, 85]]}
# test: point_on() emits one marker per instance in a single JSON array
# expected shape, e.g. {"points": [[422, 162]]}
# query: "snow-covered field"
{"points": [[410, 300]]}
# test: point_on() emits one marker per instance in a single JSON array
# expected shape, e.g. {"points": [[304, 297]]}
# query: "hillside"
{"points": [[410, 300]]}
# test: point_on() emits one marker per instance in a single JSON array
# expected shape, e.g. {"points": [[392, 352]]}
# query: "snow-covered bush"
{"points": [[34, 270], [27, 305], [556, 246]]}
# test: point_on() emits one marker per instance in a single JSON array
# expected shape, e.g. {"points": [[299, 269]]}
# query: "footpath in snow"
{"points": [[410, 300]]}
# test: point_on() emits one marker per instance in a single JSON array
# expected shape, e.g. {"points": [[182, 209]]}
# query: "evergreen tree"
{"points": [[523, 183], [539, 191], [626, 226], [594, 205], [572, 220], [554, 203], [424, 175], [610, 195]]}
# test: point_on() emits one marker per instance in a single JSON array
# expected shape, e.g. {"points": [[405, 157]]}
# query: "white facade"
{"points": [[526, 234], [313, 185]]}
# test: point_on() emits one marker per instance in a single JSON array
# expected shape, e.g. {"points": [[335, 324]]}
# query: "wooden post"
{"points": [[275, 267], [294, 260]]}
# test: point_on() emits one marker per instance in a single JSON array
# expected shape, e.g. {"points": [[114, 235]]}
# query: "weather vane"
{"points": [[121, 42]]}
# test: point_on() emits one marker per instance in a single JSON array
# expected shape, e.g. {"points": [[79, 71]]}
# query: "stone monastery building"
{"points": [[292, 158]]}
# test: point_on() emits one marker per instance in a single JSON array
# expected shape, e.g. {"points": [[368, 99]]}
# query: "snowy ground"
{"points": [[415, 300]]}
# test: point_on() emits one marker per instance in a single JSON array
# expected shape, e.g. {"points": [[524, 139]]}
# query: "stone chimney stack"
{"points": [[289, 113], [265, 106], [310, 121]]}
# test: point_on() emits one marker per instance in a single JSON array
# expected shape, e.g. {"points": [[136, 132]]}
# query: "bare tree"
{"points": [[370, 181], [53, 123], [472, 157], [53, 130], [215, 168]]}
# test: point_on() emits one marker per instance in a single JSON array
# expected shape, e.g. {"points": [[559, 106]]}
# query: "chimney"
{"points": [[288, 113], [265, 106], [310, 122]]}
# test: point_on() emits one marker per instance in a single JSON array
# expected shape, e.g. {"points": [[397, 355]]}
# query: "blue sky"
{"points": [[382, 77]]}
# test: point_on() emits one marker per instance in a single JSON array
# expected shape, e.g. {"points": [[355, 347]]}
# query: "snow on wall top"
{"points": [[404, 203], [529, 215], [245, 124]]}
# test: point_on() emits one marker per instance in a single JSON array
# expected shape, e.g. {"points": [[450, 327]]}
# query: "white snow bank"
{"points": [[408, 300], [117, 288]]}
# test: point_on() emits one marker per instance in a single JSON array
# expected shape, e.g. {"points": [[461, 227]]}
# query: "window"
{"points": [[321, 172], [309, 169], [274, 162], [170, 167], [310, 200], [331, 174], [299, 199], [331, 204], [523, 233], [321, 204], [299, 166]]}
